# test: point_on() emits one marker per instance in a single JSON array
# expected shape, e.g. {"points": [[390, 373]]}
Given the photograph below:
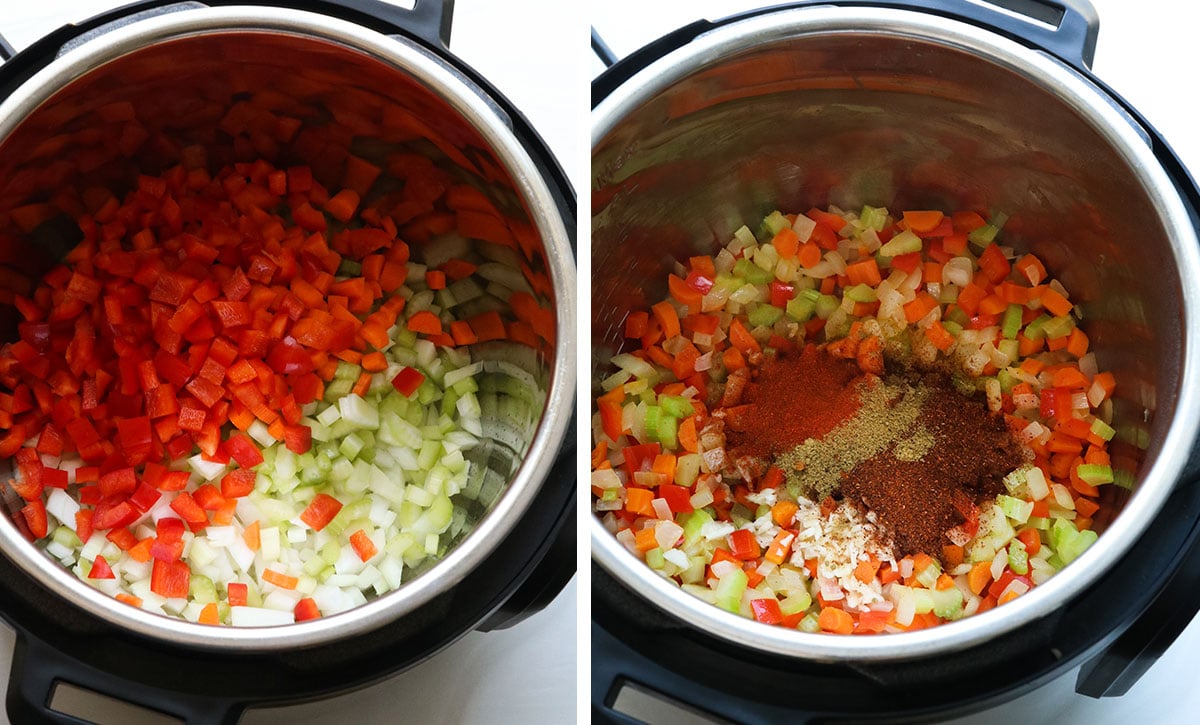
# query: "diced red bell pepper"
{"points": [[170, 579], [120, 482], [237, 593], [144, 496], [243, 450], [407, 381], [188, 510], [678, 498], [297, 438], [35, 517], [135, 437], [238, 483], [640, 458], [321, 511], [743, 545], [306, 609], [116, 515], [101, 569], [766, 610], [781, 293]]}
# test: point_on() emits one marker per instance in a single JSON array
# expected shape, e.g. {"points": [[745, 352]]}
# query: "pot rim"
{"points": [[1132, 145], [488, 119]]}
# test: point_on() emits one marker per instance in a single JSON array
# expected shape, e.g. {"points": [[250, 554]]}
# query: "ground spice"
{"points": [[794, 396], [911, 448]]}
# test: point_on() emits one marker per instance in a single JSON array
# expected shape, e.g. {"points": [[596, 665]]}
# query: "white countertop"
{"points": [[1145, 53], [525, 675]]}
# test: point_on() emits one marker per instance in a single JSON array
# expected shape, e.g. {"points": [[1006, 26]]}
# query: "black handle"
{"points": [[37, 668], [602, 51], [429, 20], [545, 582], [1066, 29]]}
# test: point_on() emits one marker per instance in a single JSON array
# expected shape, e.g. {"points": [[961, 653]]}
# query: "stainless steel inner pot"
{"points": [[805, 107], [129, 100]]}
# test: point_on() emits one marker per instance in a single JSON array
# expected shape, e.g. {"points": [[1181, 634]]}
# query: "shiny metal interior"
{"points": [[132, 100], [807, 107]]}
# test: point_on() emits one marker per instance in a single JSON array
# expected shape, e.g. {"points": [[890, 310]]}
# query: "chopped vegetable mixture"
{"points": [[238, 401], [859, 423]]}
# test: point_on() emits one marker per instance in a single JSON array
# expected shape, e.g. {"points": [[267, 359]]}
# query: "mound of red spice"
{"points": [[794, 396]]}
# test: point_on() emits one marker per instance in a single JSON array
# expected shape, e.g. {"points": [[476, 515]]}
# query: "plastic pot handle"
{"points": [[38, 668]]}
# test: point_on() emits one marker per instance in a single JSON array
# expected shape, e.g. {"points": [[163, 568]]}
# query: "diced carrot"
{"points": [[279, 579], [666, 315], [922, 221], [786, 242], [836, 621], [979, 576]]}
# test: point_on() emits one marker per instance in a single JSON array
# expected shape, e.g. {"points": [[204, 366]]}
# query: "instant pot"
{"points": [[365, 77], [909, 104]]}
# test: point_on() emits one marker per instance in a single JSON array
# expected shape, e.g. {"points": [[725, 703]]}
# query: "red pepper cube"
{"points": [[170, 579], [145, 496], [306, 609], [743, 545], [238, 483], [35, 518], [678, 498], [407, 381], [191, 418], [120, 482], [243, 450], [321, 511], [101, 569], [187, 508], [237, 592], [766, 610], [297, 438]]}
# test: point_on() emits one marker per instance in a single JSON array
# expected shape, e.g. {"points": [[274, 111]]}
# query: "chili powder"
{"points": [[795, 396]]}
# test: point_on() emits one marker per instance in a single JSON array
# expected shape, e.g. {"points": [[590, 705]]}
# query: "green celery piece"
{"points": [[803, 305], [1018, 558], [692, 523], [1095, 474], [1012, 322], [729, 590], [764, 315], [668, 427], [676, 405], [862, 293]]}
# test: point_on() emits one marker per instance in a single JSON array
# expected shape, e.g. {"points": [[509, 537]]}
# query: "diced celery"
{"points": [[1057, 327], [729, 590], [1012, 321], [903, 243], [984, 235], [810, 624], [803, 305], [773, 224], [667, 429], [1095, 474], [1015, 508], [676, 405], [692, 523], [862, 293], [947, 603], [826, 304], [1102, 430], [764, 315], [1018, 558], [873, 218], [654, 558]]}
